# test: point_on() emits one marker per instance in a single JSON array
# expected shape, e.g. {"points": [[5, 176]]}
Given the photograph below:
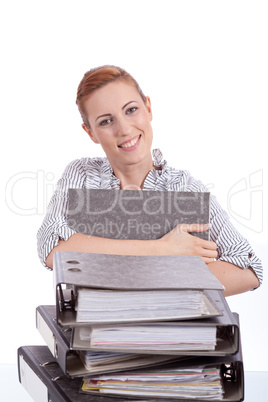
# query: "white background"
{"points": [[203, 63]]}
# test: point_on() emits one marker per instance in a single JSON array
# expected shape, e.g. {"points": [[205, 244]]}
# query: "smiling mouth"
{"points": [[131, 143]]}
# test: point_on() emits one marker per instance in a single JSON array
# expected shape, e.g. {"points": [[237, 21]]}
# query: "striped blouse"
{"points": [[97, 173]]}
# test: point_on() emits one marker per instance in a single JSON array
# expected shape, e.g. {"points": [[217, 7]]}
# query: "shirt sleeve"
{"points": [[54, 226], [231, 245]]}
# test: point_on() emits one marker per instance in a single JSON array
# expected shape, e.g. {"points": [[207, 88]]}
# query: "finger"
{"points": [[207, 260], [205, 244], [209, 244], [209, 253]]}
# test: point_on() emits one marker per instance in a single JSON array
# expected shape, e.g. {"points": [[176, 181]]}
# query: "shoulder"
{"points": [[92, 173], [83, 172], [86, 164], [182, 180], [173, 179]]}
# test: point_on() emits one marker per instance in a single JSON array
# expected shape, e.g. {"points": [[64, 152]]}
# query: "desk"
{"points": [[256, 385]]}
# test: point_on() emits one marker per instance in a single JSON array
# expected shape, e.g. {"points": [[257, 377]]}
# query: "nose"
{"points": [[123, 126]]}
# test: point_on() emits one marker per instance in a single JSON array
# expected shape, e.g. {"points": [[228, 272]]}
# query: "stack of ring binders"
{"points": [[101, 301], [58, 368]]}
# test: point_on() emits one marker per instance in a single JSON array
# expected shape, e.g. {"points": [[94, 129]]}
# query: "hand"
{"points": [[179, 242]]}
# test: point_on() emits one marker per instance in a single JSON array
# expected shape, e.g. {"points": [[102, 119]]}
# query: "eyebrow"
{"points": [[127, 104], [109, 114], [103, 115]]}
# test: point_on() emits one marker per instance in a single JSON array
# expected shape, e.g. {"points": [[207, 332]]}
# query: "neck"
{"points": [[132, 176]]}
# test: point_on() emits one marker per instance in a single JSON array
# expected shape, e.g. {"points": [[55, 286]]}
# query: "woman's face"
{"points": [[120, 122]]}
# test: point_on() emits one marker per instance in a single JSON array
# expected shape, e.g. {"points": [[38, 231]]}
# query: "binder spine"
{"points": [[37, 378], [53, 336]]}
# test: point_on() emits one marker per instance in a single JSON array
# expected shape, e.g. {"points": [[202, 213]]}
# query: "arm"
{"points": [[54, 228], [235, 279], [233, 251], [176, 242], [237, 266]]}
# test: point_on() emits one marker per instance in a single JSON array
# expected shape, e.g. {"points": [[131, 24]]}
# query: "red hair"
{"points": [[97, 78]]}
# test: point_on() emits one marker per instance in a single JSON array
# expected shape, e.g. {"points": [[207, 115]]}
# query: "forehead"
{"points": [[111, 96]]}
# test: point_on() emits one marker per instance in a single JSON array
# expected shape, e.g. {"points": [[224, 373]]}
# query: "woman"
{"points": [[117, 115]]}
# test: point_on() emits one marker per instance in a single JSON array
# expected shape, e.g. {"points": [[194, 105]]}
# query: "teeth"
{"points": [[130, 143]]}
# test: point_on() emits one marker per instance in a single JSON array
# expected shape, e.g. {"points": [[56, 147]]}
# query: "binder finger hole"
{"points": [[74, 269], [72, 262]]}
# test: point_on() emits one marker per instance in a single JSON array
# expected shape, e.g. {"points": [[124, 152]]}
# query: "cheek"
{"points": [[144, 121], [105, 139]]}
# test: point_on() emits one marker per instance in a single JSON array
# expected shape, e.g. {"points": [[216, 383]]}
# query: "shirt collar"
{"points": [[108, 180]]}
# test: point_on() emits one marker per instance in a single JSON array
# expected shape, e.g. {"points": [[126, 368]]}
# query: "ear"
{"points": [[90, 133], [149, 107]]}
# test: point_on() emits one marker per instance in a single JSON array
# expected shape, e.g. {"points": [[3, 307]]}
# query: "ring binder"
{"points": [[134, 214], [68, 390], [68, 343], [129, 273]]}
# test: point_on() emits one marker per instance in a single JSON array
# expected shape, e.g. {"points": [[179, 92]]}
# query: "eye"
{"points": [[131, 110], [105, 122]]}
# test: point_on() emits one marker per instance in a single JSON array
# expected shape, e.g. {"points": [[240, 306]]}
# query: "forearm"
{"points": [[235, 279], [90, 244], [176, 242], [233, 247]]}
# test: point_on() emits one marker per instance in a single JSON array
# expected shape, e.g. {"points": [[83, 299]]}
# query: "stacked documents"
{"points": [[105, 306], [97, 361], [198, 382], [167, 337]]}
